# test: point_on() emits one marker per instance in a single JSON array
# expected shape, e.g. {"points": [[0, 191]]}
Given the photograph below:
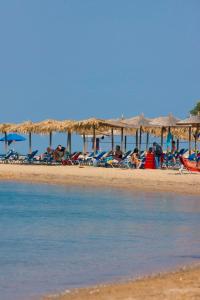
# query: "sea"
{"points": [[55, 238]]}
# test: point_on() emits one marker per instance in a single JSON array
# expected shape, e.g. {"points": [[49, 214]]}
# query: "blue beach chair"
{"points": [[29, 158]]}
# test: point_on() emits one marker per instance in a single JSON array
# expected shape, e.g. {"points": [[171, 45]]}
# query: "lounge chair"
{"points": [[10, 156], [29, 158], [99, 160], [124, 162], [73, 160]]}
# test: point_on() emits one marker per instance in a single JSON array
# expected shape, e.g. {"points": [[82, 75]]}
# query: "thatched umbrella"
{"points": [[127, 128], [48, 127], [192, 121], [139, 122], [5, 128], [161, 123], [44, 127], [124, 130], [94, 124], [67, 126], [25, 128]]}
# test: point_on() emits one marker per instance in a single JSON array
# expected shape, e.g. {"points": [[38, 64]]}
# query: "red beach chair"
{"points": [[73, 160]]}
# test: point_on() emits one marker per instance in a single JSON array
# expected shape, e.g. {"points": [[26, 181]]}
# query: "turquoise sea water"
{"points": [[55, 238]]}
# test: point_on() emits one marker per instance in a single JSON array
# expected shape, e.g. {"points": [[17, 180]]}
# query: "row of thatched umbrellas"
{"points": [[93, 126]]}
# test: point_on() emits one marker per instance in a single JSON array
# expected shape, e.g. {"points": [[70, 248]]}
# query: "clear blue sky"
{"points": [[72, 59]]}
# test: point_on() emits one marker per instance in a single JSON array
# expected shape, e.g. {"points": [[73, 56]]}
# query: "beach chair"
{"points": [[10, 157], [29, 158], [97, 159], [84, 159], [73, 160], [124, 162]]}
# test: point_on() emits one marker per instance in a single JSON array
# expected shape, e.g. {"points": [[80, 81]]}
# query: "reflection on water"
{"points": [[53, 238]]}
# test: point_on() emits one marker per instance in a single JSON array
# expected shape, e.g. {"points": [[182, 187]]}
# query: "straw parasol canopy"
{"points": [[25, 127], [138, 121], [164, 121], [48, 126], [67, 126], [193, 121], [5, 127], [87, 126], [158, 126], [127, 127]]}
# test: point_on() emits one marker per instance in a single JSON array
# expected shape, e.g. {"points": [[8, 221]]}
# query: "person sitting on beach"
{"points": [[135, 159], [47, 155], [59, 153], [114, 156], [117, 153]]}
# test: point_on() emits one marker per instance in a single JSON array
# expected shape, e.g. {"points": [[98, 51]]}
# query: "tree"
{"points": [[196, 110]]}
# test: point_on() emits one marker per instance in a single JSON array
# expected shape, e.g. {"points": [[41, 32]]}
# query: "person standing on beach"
{"points": [[157, 150]]}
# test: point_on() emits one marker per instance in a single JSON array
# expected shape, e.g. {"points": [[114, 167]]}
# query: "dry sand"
{"points": [[135, 180], [181, 285]]}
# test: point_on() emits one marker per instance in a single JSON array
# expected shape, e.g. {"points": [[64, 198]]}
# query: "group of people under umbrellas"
{"points": [[58, 154], [154, 153], [153, 158]]}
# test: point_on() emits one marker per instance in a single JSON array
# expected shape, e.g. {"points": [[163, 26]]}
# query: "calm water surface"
{"points": [[55, 238]]}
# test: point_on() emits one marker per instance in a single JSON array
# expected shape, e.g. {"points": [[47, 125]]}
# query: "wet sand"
{"points": [[183, 284], [135, 180]]}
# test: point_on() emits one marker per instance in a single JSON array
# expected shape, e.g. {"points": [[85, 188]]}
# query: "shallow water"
{"points": [[55, 238]]}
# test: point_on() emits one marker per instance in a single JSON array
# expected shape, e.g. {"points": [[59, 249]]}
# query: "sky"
{"points": [[75, 59]]}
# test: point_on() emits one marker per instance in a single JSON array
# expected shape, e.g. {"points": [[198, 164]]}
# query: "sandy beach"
{"points": [[135, 180], [183, 284]]}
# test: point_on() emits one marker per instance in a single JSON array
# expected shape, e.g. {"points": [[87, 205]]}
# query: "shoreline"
{"points": [[153, 181], [181, 284]]}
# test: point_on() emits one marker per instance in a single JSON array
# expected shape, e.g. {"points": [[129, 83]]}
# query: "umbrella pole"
{"points": [[190, 133], [177, 144], [136, 139], [6, 143], [30, 143], [84, 144], [161, 141], [112, 139], [147, 141], [50, 139], [125, 143], [94, 140], [69, 142], [122, 139], [195, 141], [140, 138]]}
